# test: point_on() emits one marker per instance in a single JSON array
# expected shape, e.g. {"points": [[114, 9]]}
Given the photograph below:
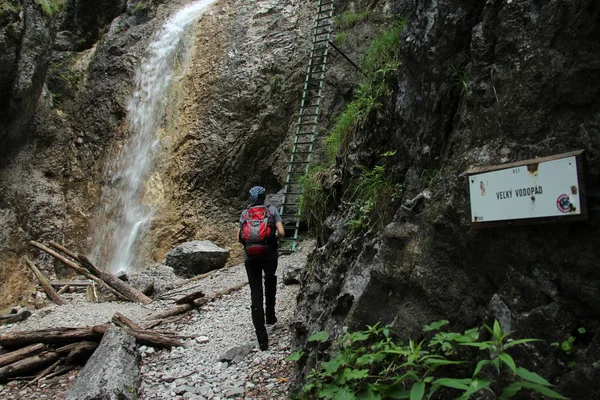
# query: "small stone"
{"points": [[202, 339]]}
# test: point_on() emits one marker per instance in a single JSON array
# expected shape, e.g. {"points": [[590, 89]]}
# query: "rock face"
{"points": [[26, 37], [197, 257], [482, 83], [112, 372]]}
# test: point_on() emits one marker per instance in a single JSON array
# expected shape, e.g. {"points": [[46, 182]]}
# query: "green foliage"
{"points": [[9, 13], [314, 201], [341, 38], [379, 66], [348, 19], [62, 77], [385, 49], [52, 7], [275, 83], [372, 192], [373, 364], [427, 177]]}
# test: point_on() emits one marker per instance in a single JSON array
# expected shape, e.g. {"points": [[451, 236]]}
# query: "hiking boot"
{"points": [[271, 319], [263, 338]]}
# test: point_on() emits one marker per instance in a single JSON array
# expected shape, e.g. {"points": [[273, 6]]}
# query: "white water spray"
{"points": [[125, 217]]}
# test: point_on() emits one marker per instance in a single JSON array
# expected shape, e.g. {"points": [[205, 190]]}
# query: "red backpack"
{"points": [[257, 230]]}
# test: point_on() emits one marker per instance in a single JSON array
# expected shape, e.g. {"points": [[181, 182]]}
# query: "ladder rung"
{"points": [[299, 162], [304, 143]]}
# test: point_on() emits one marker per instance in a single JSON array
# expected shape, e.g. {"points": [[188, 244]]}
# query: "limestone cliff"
{"points": [[481, 83]]}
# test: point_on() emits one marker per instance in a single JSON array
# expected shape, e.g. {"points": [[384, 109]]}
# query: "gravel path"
{"points": [[221, 361]]}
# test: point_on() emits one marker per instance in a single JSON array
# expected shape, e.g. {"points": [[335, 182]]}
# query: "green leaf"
{"points": [[508, 360], [434, 326], [480, 365], [344, 394], [358, 337], [479, 345], [417, 391], [331, 366], [319, 337], [350, 374], [581, 330], [370, 393], [477, 385], [543, 390], [510, 390], [328, 391], [439, 362], [469, 336], [462, 384], [521, 341], [497, 330], [295, 356], [532, 377]]}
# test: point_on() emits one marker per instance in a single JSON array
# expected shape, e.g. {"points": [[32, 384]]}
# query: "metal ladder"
{"points": [[306, 127]]}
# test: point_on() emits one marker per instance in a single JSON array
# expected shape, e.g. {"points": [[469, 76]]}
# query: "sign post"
{"points": [[549, 189]]}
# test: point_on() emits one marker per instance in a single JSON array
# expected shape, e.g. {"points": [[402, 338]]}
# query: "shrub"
{"points": [[380, 65], [314, 200], [373, 364]]}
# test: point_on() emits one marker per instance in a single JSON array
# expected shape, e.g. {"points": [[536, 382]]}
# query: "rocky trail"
{"points": [[220, 360]]}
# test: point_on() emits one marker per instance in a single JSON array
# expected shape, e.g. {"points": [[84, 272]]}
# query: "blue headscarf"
{"points": [[257, 195]]}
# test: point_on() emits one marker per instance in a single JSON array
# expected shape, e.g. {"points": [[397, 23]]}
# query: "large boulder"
{"points": [[197, 257], [113, 371]]}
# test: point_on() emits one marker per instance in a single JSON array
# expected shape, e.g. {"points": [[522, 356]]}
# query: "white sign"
{"points": [[534, 190]]}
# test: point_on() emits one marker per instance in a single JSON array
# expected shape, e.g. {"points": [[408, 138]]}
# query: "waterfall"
{"points": [[126, 217]]}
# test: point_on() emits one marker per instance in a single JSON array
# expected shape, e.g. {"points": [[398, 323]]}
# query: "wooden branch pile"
{"points": [[50, 352], [186, 303], [80, 264]]}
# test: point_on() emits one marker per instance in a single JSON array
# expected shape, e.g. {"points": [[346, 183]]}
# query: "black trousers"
{"points": [[254, 269]]}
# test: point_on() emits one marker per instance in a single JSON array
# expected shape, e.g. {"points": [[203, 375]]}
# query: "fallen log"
{"points": [[20, 354], [28, 364], [75, 350], [64, 282], [22, 315], [122, 321], [49, 336], [168, 320], [190, 297], [55, 297], [114, 282], [68, 252], [172, 311], [149, 338], [229, 291], [77, 268]]}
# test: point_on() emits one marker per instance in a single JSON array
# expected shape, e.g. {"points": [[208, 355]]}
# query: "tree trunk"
{"points": [[50, 336], [114, 282], [190, 297], [55, 297], [153, 339], [122, 321], [20, 354], [78, 268], [172, 311]]}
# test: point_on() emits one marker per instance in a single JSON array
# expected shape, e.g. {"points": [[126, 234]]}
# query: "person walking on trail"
{"points": [[260, 229]]}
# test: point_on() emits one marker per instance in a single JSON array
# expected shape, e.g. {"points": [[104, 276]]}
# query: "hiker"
{"points": [[260, 229]]}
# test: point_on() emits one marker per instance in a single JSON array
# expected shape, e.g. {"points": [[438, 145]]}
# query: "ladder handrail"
{"points": [[306, 130]]}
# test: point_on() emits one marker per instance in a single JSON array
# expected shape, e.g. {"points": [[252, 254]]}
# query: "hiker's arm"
{"points": [[280, 230], [239, 236]]}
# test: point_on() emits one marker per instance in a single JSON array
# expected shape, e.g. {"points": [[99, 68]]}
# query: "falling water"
{"points": [[126, 218]]}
